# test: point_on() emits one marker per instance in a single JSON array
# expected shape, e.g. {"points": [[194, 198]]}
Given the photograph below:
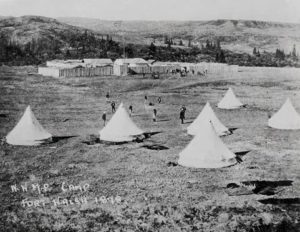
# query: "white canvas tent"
{"points": [[120, 127], [28, 131], [206, 150], [286, 118], [206, 115], [230, 101]]}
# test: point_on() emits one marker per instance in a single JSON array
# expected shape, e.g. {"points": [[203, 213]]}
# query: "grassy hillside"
{"points": [[26, 28], [236, 35], [34, 39], [156, 194]]}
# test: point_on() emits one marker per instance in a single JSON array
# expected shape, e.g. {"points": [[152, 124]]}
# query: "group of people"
{"points": [[154, 115]]}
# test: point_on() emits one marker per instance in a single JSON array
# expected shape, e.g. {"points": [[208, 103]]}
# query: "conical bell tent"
{"points": [[120, 128], [207, 114], [230, 101], [286, 118], [28, 131], [206, 150]]}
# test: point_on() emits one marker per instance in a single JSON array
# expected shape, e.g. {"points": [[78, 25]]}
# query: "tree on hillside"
{"points": [[129, 50], [222, 57], [254, 51], [258, 53], [152, 49], [169, 44], [166, 40], [207, 44], [180, 43], [68, 54], [294, 52], [218, 44], [190, 43], [217, 57], [279, 54]]}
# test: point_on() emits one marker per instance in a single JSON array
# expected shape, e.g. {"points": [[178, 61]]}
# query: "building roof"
{"points": [[151, 61], [98, 61], [131, 61]]}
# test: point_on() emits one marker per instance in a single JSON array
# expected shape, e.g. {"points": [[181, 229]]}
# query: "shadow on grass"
{"points": [[155, 147], [281, 201], [94, 140], [172, 164], [231, 130], [149, 134], [284, 226], [163, 120], [56, 139], [240, 154], [268, 187], [259, 187], [3, 115]]}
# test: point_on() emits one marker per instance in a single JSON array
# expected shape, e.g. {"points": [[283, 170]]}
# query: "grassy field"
{"points": [[156, 194]]}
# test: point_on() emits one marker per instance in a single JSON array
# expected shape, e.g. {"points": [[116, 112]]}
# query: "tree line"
{"points": [[84, 44]]}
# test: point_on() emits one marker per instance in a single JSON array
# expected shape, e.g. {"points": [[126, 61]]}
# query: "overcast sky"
{"points": [[267, 10]]}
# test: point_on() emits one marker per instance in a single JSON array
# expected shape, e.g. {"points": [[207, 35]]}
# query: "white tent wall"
{"points": [[86, 72], [163, 68], [206, 150], [140, 69], [28, 131], [120, 70], [65, 63], [48, 71], [120, 128], [76, 72], [286, 118], [98, 62], [121, 67]]}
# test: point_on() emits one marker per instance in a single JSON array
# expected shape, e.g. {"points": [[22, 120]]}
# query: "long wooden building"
{"points": [[77, 68]]}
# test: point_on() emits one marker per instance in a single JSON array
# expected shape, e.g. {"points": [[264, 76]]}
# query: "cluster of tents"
{"points": [[206, 149]]}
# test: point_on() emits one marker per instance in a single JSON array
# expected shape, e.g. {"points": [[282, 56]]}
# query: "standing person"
{"points": [[182, 116], [154, 115], [159, 100], [113, 107], [107, 97], [104, 117], [130, 110], [146, 102], [183, 108]]}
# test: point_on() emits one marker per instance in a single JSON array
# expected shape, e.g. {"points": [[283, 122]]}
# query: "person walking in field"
{"points": [[104, 117], [159, 100], [154, 115], [183, 108], [113, 107], [182, 116], [130, 110]]}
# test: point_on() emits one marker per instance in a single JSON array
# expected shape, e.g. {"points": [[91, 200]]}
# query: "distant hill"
{"points": [[34, 39], [236, 35], [26, 28]]}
